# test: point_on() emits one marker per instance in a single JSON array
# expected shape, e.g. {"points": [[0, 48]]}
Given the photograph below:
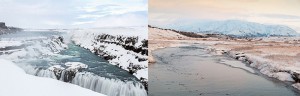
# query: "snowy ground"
{"points": [[120, 46], [18, 83], [276, 57]]}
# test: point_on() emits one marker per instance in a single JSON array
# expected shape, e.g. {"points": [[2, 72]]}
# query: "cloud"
{"points": [[121, 20], [90, 16], [101, 8], [64, 13], [107, 13], [281, 12], [281, 16], [128, 19], [82, 22]]}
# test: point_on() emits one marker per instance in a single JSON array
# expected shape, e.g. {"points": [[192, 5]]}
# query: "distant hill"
{"points": [[5, 29], [236, 28]]}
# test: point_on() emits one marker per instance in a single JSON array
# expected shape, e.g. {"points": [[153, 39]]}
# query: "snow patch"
{"points": [[18, 83], [237, 64], [4, 44], [75, 65]]}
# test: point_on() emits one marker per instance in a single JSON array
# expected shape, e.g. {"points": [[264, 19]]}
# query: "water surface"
{"points": [[192, 71]]}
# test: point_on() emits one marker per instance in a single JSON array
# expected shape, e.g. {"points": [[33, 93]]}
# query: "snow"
{"points": [[52, 68], [142, 73], [268, 67], [76, 65], [237, 64], [47, 48], [254, 52], [296, 85], [4, 44], [18, 83], [283, 76], [86, 38], [35, 49], [234, 27], [265, 66]]}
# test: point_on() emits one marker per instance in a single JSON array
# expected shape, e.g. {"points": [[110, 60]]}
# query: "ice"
{"points": [[296, 85], [52, 68], [76, 65], [17, 83], [110, 87], [237, 64], [4, 44], [283, 76]]}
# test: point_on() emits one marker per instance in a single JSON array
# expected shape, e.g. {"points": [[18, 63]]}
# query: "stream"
{"points": [[192, 71]]}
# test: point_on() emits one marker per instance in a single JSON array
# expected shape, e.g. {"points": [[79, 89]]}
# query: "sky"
{"points": [[272, 12], [46, 14]]}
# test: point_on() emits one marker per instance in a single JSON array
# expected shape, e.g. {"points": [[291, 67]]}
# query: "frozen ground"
{"points": [[17, 83]]}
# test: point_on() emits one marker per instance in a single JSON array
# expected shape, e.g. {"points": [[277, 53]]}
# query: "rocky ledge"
{"points": [[6, 29]]}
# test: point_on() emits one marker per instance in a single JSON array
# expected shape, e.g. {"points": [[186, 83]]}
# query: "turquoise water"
{"points": [[96, 64]]}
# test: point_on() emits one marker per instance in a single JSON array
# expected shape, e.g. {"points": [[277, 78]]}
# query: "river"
{"points": [[99, 76], [192, 71]]}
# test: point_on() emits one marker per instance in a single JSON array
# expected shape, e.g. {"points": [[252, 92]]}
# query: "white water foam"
{"points": [[110, 87]]}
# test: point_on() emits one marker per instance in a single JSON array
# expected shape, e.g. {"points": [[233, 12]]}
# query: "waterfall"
{"points": [[110, 87]]}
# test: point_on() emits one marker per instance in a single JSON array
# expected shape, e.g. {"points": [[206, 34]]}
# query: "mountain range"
{"points": [[235, 27]]}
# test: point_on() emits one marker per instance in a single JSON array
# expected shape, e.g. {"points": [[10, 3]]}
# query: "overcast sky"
{"points": [[282, 12], [73, 13]]}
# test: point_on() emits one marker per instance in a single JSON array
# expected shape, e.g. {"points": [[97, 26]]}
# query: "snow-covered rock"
{"points": [[266, 67], [296, 85], [126, 48], [32, 49], [236, 64], [18, 83], [235, 27], [76, 65]]}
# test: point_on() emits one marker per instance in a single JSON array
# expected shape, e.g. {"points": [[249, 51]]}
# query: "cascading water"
{"points": [[50, 57], [110, 87]]}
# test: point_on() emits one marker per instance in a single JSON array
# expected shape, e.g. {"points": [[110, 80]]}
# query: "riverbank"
{"points": [[275, 57]]}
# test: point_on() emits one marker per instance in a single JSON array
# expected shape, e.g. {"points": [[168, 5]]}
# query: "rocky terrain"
{"points": [[126, 48], [5, 29]]}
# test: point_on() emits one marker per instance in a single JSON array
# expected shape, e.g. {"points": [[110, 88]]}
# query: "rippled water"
{"points": [[191, 71]]}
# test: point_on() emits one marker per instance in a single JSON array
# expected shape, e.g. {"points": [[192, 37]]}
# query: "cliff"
{"points": [[6, 29]]}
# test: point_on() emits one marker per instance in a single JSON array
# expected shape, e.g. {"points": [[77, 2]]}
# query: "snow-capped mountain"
{"points": [[235, 27]]}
